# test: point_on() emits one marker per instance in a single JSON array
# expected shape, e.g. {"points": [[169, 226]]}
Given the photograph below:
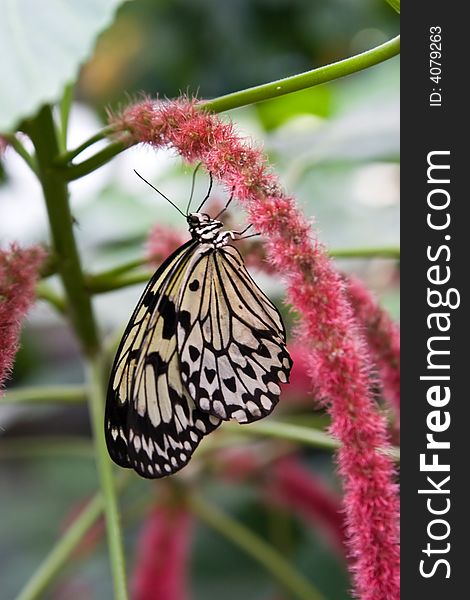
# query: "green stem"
{"points": [[120, 269], [65, 106], [62, 394], [21, 151], [113, 525], [255, 547], [295, 433], [286, 431], [119, 277], [43, 134], [309, 79], [62, 551], [96, 161], [70, 447], [65, 157], [101, 285], [259, 93], [45, 292], [381, 252]]}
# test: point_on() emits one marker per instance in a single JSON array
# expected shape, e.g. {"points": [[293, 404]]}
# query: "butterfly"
{"points": [[203, 345]]}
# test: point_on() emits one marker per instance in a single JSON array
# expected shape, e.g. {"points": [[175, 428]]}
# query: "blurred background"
{"points": [[335, 147]]}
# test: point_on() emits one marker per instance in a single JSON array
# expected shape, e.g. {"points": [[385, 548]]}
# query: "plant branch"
{"points": [[120, 277], [295, 433], [43, 134], [73, 172], [380, 252], [255, 547], [65, 157], [65, 106], [34, 447], [61, 394], [259, 93], [45, 292], [15, 143], [113, 525], [62, 551], [305, 80]]}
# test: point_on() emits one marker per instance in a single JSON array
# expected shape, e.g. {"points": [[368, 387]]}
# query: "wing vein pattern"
{"points": [[203, 345]]}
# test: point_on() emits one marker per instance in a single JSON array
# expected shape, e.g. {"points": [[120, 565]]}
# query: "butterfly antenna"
{"points": [[159, 192], [192, 188], [249, 236], [226, 206], [245, 230], [211, 181]]}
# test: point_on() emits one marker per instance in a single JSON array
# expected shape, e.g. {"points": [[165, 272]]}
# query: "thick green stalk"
{"points": [[257, 548], [43, 134]]}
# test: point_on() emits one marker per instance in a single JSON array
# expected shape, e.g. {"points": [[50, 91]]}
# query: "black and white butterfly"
{"points": [[204, 345]]}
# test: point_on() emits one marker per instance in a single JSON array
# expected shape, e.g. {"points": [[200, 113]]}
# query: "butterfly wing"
{"points": [[231, 339], [152, 424]]}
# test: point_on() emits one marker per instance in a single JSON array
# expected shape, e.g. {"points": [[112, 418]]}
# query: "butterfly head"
{"points": [[203, 228]]}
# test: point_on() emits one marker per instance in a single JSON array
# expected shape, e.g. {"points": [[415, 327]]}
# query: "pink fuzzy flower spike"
{"points": [[383, 337], [339, 361], [19, 271], [162, 556]]}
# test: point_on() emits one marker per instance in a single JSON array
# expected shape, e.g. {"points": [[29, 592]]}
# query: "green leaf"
{"points": [[42, 45], [313, 101], [395, 4]]}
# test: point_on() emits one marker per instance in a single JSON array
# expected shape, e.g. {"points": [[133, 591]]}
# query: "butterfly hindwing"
{"points": [[152, 424], [232, 340]]}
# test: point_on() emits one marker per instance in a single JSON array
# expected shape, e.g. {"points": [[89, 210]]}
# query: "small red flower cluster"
{"points": [[19, 270], [340, 364]]}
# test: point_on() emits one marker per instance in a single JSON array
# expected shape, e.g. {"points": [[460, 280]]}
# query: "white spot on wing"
{"points": [[240, 416], [253, 408], [219, 409], [200, 425], [274, 388], [266, 402]]}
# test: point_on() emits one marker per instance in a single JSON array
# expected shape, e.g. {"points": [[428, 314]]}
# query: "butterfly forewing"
{"points": [[232, 345], [152, 424]]}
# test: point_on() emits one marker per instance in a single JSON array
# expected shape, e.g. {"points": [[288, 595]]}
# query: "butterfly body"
{"points": [[203, 345]]}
